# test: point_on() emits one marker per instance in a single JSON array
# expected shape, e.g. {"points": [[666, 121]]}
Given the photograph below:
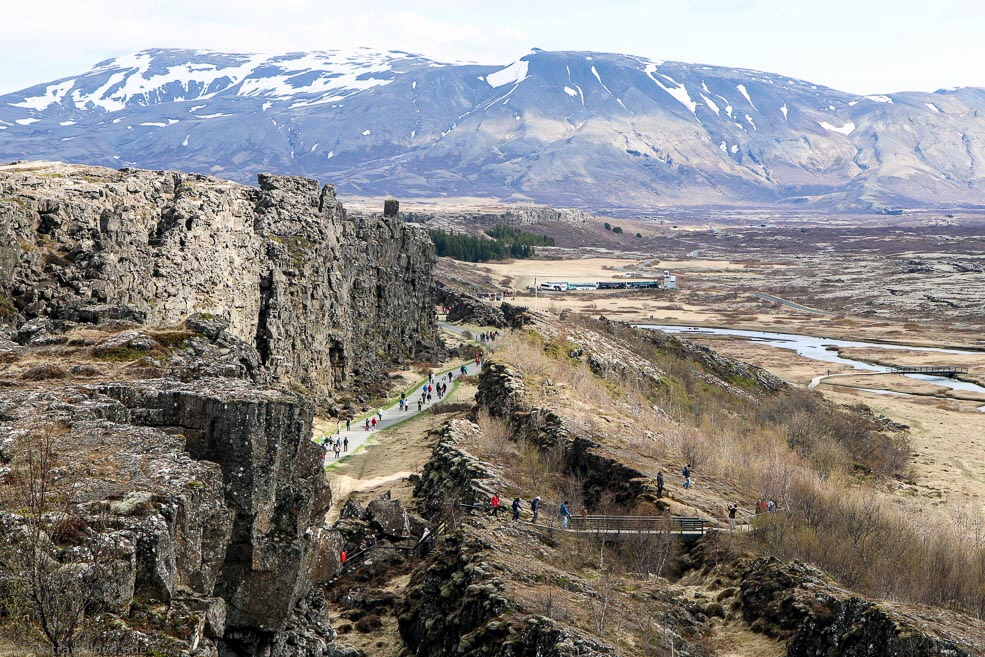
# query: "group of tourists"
{"points": [[488, 336], [564, 511], [764, 505], [371, 421], [336, 444]]}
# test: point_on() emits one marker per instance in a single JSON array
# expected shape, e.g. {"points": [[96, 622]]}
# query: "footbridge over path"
{"points": [[614, 528]]}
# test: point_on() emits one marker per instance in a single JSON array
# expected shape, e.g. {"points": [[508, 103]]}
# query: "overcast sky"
{"points": [[861, 46]]}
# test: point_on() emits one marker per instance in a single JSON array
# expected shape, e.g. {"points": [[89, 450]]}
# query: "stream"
{"points": [[825, 349]]}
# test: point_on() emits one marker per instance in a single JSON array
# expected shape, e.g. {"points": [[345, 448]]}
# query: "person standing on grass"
{"points": [[565, 514], [732, 508], [660, 485], [495, 504], [516, 508], [535, 508]]}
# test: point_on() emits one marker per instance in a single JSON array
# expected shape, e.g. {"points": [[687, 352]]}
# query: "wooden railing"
{"points": [[941, 370], [638, 524]]}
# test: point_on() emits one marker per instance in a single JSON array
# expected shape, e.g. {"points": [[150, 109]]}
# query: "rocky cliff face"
{"points": [[211, 496], [802, 605], [274, 488], [324, 299]]}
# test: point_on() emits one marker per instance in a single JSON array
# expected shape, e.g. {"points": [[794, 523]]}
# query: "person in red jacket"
{"points": [[495, 504], [343, 556]]}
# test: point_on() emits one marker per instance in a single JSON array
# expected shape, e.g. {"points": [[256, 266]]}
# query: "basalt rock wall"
{"points": [[322, 297], [273, 484]]}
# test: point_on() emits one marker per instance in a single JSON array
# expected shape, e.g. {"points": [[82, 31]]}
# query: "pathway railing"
{"points": [[940, 370], [638, 524]]}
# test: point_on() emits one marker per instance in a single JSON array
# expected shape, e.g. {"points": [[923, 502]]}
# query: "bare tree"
{"points": [[601, 602], [45, 587]]}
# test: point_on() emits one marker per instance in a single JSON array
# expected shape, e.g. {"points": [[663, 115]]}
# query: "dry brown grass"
{"points": [[823, 465]]}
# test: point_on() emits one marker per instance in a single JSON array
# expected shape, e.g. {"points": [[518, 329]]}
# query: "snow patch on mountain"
{"points": [[678, 92], [742, 90], [879, 99], [846, 129], [53, 93], [512, 74]]}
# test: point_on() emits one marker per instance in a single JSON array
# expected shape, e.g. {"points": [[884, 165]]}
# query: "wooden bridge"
{"points": [[687, 528], [949, 371]]}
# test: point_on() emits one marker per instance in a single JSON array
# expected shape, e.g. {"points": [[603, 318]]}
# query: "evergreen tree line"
{"points": [[473, 249]]}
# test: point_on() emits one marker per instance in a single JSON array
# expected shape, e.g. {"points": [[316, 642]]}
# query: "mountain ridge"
{"points": [[570, 128]]}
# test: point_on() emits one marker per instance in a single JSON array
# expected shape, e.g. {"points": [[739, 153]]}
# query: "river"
{"points": [[826, 350]]}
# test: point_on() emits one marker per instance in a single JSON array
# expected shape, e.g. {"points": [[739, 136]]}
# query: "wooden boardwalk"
{"points": [[687, 528], [931, 370]]}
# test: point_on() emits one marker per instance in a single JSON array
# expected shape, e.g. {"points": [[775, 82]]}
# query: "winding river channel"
{"points": [[826, 350]]}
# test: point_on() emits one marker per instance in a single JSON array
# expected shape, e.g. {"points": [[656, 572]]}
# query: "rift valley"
{"points": [[175, 349]]}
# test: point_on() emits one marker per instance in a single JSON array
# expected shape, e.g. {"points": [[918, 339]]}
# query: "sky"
{"points": [[857, 46]]}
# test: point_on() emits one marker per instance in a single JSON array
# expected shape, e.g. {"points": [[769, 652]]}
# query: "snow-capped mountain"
{"points": [[583, 129]]}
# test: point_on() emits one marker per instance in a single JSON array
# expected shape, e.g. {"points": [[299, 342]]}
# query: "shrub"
{"points": [[44, 372], [368, 623]]}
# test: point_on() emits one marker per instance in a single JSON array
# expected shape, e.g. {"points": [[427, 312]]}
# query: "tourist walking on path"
{"points": [[565, 514], [687, 475], [367, 424], [348, 424], [374, 423], [660, 485], [516, 508], [495, 504], [345, 444], [732, 508], [535, 508]]}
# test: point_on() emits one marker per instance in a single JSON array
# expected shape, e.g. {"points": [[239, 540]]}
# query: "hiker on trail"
{"points": [[687, 475], [379, 414], [464, 370], [771, 506], [430, 377], [429, 397], [516, 508], [660, 485], [348, 424], [450, 375], [565, 514], [535, 508], [343, 555], [367, 424], [418, 405], [336, 449], [495, 504], [345, 444], [732, 508], [374, 423]]}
